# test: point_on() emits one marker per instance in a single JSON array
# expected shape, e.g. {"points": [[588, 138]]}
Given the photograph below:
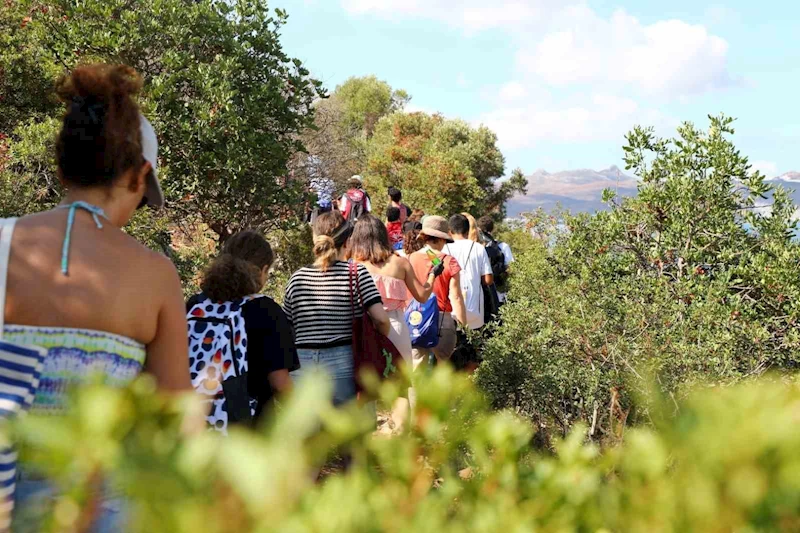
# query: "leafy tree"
{"points": [[441, 165], [366, 100], [337, 144], [694, 280], [227, 101]]}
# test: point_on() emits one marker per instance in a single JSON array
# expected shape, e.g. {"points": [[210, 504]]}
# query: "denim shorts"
{"points": [[35, 495], [336, 362]]}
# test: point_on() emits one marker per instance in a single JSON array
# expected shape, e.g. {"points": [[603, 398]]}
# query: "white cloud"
{"points": [[599, 117], [471, 15], [768, 168], [461, 80], [566, 51], [513, 91], [667, 58], [563, 44]]}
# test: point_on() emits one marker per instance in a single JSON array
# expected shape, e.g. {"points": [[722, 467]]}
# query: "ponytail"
{"points": [[325, 252], [331, 233]]}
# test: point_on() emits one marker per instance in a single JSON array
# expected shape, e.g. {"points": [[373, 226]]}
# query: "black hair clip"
{"points": [[342, 233]]}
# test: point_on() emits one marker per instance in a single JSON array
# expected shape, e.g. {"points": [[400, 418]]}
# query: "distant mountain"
{"points": [[576, 190], [581, 190], [790, 177], [791, 182]]}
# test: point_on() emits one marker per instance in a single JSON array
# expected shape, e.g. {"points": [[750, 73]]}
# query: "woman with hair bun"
{"points": [[317, 303], [101, 305], [235, 331]]}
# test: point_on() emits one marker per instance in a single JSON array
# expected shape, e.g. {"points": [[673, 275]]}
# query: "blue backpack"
{"points": [[423, 323]]}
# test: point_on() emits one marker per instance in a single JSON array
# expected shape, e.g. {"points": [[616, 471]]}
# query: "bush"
{"points": [[695, 280], [727, 463]]}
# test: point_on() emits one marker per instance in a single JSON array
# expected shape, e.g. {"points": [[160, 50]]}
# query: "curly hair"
{"points": [[100, 137], [236, 272]]}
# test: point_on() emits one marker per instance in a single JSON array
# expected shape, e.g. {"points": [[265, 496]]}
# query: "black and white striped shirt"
{"points": [[317, 304]]}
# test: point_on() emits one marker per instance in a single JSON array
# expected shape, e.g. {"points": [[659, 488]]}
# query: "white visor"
{"points": [[153, 192]]}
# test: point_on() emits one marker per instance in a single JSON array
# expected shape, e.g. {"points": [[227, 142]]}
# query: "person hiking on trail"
{"points": [[395, 199], [318, 305], [500, 255], [104, 307], [447, 287], [395, 228], [230, 323], [355, 202], [396, 280], [475, 266], [323, 188]]}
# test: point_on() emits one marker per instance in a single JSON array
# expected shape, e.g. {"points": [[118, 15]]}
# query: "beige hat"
{"points": [[434, 226]]}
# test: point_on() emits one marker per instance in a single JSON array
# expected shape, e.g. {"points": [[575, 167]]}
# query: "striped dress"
{"points": [[74, 357], [317, 304]]}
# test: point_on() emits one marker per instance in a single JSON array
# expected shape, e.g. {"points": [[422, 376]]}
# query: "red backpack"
{"points": [[356, 204]]}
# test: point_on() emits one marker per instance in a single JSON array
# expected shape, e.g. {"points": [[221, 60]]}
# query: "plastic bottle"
{"points": [[433, 257]]}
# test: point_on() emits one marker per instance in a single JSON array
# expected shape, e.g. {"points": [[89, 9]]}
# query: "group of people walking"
{"points": [[94, 302]]}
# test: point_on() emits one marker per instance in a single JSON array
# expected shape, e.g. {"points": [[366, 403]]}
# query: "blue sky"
{"points": [[561, 82]]}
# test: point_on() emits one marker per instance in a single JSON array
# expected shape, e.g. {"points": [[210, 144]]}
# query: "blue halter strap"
{"points": [[96, 212]]}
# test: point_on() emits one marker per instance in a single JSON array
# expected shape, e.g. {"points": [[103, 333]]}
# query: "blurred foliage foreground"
{"points": [[727, 461]]}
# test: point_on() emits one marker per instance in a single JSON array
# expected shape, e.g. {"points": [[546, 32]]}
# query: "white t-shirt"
{"points": [[474, 263], [509, 257], [506, 249]]}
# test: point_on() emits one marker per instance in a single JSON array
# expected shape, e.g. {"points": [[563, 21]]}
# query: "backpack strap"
{"points": [[469, 254], [6, 233]]}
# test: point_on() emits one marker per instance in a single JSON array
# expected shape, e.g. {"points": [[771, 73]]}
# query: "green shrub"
{"points": [[692, 281], [728, 462]]}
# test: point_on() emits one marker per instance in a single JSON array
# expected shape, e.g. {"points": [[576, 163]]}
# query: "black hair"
{"points": [[236, 272], [486, 224], [393, 214], [395, 194], [459, 225], [412, 225]]}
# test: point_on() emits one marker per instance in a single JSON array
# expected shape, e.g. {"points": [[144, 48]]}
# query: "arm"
{"points": [[487, 277], [379, 317], [371, 300], [457, 299], [420, 292], [168, 352], [280, 381]]}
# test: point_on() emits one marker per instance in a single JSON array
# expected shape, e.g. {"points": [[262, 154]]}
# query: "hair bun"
{"points": [[99, 82]]}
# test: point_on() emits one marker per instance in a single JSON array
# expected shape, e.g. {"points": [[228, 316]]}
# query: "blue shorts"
{"points": [[337, 363]]}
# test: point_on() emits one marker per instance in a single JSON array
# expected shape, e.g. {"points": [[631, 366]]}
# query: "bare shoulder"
{"points": [[159, 268], [164, 268], [401, 262]]}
